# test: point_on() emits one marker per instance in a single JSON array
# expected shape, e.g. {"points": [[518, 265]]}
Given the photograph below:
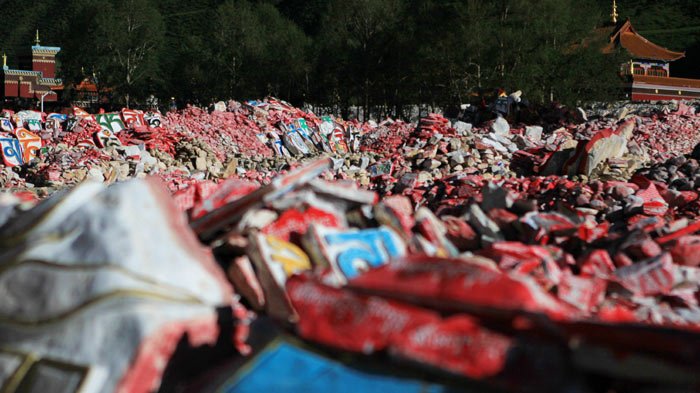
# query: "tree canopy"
{"points": [[382, 55]]}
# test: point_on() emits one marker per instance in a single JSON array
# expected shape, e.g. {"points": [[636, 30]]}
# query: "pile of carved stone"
{"points": [[498, 255], [463, 279]]}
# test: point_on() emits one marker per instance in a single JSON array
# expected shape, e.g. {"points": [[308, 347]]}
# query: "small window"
{"points": [[657, 71], [638, 70]]}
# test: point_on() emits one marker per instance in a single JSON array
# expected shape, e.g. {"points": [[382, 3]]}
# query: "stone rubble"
{"points": [[457, 250]]}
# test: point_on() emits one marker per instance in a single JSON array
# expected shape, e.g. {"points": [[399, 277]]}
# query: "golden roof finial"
{"points": [[36, 40], [4, 60], [614, 14]]}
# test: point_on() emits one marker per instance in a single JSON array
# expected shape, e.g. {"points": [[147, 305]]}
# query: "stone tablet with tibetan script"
{"points": [[351, 252]]}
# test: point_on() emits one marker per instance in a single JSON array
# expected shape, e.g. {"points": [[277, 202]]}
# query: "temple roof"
{"points": [[626, 36], [46, 49], [38, 74], [86, 85]]}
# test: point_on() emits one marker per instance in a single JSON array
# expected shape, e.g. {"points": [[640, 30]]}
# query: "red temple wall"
{"points": [[10, 89], [48, 69], [24, 90]]}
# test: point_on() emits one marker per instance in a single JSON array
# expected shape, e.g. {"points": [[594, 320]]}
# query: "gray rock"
{"points": [[486, 227], [502, 139], [496, 145], [364, 163], [200, 163], [500, 126], [462, 128], [495, 197], [338, 163], [431, 164], [533, 133], [435, 139], [522, 143], [456, 159]]}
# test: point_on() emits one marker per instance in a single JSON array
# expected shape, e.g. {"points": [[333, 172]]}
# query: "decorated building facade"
{"points": [[36, 82], [647, 76], [86, 93]]}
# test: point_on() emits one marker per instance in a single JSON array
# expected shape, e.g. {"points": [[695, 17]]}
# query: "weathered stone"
{"points": [[200, 163], [533, 133], [462, 128], [500, 126], [424, 177], [604, 145], [456, 159], [487, 228], [431, 164], [495, 197], [231, 167], [364, 162], [494, 144]]}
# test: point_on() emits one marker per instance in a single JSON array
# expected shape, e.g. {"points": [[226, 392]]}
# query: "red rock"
{"points": [[457, 344], [502, 217], [584, 293], [644, 223], [397, 212], [654, 204], [622, 260], [690, 229], [344, 320], [435, 232], [603, 145], [243, 277], [686, 251], [653, 276], [592, 232], [184, 199], [209, 224], [210, 196], [597, 264], [535, 261], [460, 233], [616, 313], [295, 222], [640, 246], [457, 285]]}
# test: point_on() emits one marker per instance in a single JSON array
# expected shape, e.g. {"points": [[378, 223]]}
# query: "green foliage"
{"points": [[546, 48], [560, 59], [256, 51], [357, 37], [382, 55], [127, 35], [77, 58]]}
